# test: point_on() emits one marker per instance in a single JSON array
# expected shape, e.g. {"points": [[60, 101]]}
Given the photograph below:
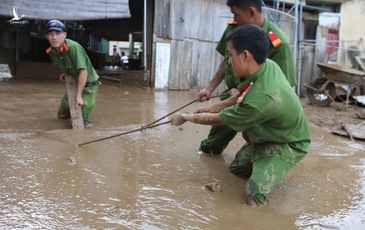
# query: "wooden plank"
{"points": [[196, 26], [221, 16], [180, 65], [173, 82], [185, 55], [192, 18], [75, 110], [178, 18], [201, 64], [167, 21], [206, 23], [162, 27]]}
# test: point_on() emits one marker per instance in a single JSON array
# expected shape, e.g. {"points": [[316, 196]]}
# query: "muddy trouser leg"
{"points": [[89, 95], [264, 173], [241, 165], [218, 139], [64, 110]]}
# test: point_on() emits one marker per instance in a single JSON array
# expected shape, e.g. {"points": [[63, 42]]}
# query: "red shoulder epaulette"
{"points": [[232, 22], [275, 40], [48, 50]]}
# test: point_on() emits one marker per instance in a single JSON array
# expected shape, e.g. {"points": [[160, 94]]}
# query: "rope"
{"points": [[125, 133], [148, 126]]}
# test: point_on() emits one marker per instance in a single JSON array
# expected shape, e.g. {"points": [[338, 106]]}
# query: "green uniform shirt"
{"points": [[281, 55], [74, 59], [270, 113], [222, 48]]}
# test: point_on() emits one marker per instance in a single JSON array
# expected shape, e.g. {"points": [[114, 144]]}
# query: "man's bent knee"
{"points": [[240, 170]]}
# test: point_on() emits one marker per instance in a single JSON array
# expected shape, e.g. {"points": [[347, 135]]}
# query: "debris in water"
{"points": [[71, 161], [214, 186], [360, 114], [181, 128], [351, 130]]}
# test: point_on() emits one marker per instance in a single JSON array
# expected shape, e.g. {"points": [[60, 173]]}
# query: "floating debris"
{"points": [[351, 130], [71, 161], [214, 186]]}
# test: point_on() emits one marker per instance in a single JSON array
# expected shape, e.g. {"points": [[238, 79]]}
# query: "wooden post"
{"points": [[75, 110]]}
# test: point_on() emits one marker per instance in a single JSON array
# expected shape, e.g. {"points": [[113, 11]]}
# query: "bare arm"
{"points": [[219, 106], [81, 86], [205, 93], [203, 118]]}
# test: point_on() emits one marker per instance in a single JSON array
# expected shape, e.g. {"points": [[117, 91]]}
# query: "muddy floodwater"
{"points": [[154, 179]]}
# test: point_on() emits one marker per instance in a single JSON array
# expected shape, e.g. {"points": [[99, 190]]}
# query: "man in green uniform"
{"points": [[245, 12], [267, 112], [70, 57]]}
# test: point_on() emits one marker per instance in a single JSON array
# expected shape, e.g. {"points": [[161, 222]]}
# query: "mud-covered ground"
{"points": [[155, 179], [333, 116]]}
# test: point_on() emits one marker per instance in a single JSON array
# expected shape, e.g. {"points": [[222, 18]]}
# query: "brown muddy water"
{"points": [[154, 179]]}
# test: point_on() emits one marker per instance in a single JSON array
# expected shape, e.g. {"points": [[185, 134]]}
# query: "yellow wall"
{"points": [[352, 20], [352, 30]]}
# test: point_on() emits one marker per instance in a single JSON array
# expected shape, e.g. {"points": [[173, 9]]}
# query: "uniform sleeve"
{"points": [[243, 116], [222, 45], [78, 57], [283, 56]]}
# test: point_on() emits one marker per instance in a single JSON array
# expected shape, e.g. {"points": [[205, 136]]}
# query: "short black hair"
{"points": [[251, 38], [245, 4]]}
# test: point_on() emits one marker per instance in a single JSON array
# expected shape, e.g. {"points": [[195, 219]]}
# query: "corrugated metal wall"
{"points": [[66, 9], [193, 27]]}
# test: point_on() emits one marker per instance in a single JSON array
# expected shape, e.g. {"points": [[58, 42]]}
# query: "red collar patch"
{"points": [[48, 50], [244, 90], [62, 49]]}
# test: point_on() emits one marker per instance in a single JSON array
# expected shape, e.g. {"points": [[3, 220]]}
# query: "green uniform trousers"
{"points": [[263, 173], [89, 95], [218, 139], [219, 135]]}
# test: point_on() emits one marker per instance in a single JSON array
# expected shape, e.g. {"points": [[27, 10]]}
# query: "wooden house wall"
{"points": [[193, 27]]}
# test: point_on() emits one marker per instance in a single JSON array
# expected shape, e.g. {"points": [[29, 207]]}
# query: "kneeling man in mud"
{"points": [[267, 112], [71, 57]]}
